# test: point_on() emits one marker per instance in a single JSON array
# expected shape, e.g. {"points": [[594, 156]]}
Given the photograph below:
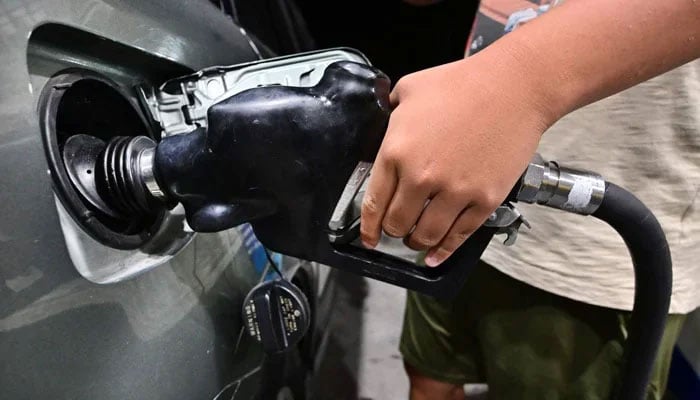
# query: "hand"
{"points": [[459, 137]]}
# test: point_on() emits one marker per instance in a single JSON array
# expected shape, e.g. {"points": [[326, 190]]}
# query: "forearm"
{"points": [[585, 50]]}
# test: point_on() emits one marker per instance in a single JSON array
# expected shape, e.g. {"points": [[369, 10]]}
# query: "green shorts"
{"points": [[523, 342]]}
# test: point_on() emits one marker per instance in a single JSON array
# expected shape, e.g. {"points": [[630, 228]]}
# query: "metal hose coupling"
{"points": [[548, 183], [146, 160]]}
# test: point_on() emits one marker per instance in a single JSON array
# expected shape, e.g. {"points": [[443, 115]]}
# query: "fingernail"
{"points": [[368, 245], [433, 259]]}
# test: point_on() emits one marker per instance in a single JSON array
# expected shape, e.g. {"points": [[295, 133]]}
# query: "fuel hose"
{"points": [[653, 279], [587, 193]]}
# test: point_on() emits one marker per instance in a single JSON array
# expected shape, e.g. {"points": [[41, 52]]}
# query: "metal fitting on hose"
{"points": [[145, 163], [568, 189]]}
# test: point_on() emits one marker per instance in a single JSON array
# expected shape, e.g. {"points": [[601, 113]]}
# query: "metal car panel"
{"points": [[172, 332]]}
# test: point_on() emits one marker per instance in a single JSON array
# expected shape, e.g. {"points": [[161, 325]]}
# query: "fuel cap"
{"points": [[276, 314]]}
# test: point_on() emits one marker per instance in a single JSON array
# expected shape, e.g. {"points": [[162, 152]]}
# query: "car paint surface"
{"points": [[173, 332]]}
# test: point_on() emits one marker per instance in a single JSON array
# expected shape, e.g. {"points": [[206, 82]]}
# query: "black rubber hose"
{"points": [[653, 280]]}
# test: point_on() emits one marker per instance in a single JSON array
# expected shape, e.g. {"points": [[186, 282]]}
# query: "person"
{"points": [[545, 319]]}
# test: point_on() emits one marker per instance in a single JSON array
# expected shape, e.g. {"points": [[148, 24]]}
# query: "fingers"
{"points": [[380, 190], [404, 177], [435, 221], [467, 222], [394, 98], [405, 208]]}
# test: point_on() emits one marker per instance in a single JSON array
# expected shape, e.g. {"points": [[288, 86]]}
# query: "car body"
{"points": [[83, 317]]}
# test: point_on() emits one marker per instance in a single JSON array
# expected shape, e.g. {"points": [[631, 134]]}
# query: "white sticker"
{"points": [[580, 194]]}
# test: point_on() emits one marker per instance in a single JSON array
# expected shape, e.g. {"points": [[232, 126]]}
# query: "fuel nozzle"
{"points": [[265, 150], [277, 157]]}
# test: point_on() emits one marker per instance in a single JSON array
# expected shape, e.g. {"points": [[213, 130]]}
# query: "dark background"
{"points": [[396, 37]]}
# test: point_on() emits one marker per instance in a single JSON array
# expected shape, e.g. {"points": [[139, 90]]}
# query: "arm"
{"points": [[588, 50], [462, 133]]}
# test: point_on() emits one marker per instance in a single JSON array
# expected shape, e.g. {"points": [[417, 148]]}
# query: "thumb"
{"points": [[394, 98]]}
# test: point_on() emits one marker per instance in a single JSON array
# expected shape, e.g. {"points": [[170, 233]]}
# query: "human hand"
{"points": [[459, 137]]}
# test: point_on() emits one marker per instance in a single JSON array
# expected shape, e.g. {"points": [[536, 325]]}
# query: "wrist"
{"points": [[541, 86]]}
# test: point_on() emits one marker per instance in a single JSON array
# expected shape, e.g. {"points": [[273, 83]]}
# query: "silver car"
{"points": [[95, 306]]}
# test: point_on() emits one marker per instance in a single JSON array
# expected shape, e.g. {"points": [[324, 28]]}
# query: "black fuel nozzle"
{"points": [[262, 147], [279, 157]]}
